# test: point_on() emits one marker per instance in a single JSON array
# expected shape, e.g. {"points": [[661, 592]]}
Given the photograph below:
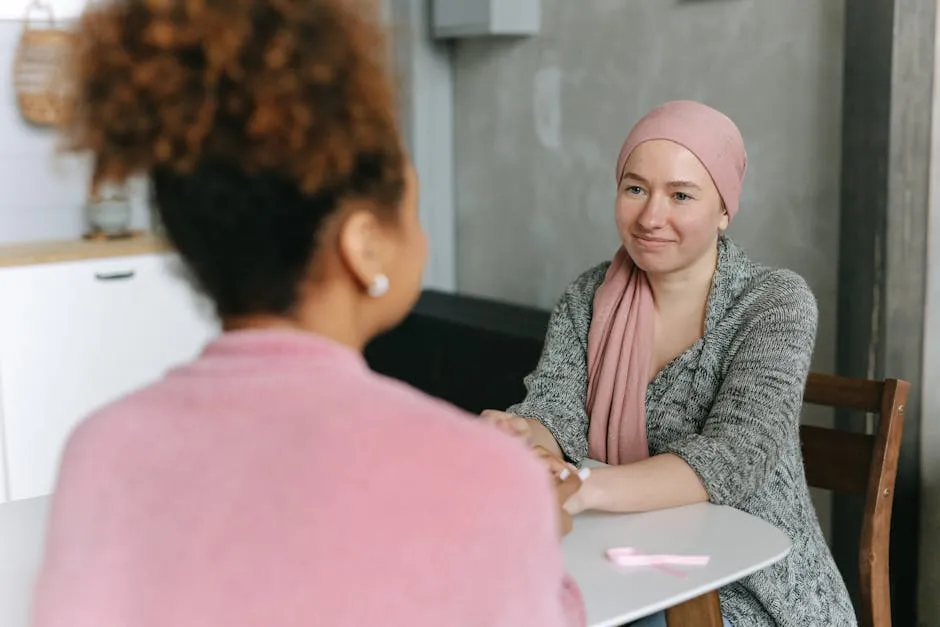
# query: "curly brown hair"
{"points": [[254, 119]]}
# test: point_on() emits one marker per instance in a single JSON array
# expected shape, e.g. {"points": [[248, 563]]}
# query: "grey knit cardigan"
{"points": [[730, 407]]}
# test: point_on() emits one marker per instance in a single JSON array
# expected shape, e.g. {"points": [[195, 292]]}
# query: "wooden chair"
{"points": [[845, 461]]}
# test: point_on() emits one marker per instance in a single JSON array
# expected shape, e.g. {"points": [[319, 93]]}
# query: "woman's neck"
{"points": [[333, 316], [327, 327], [686, 287]]}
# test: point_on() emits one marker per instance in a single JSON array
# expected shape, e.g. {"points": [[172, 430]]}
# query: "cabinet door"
{"points": [[75, 336]]}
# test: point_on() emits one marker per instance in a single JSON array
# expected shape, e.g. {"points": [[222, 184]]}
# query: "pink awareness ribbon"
{"points": [[628, 556]]}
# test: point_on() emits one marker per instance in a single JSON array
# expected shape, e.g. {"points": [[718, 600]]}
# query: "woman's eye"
{"points": [[634, 189], [681, 196]]}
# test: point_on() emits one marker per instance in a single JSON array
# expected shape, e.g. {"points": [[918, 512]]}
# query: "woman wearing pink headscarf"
{"points": [[681, 363]]}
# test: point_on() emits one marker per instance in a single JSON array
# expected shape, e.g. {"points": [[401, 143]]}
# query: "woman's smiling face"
{"points": [[669, 212]]}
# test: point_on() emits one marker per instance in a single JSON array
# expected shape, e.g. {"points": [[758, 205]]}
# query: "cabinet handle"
{"points": [[114, 276]]}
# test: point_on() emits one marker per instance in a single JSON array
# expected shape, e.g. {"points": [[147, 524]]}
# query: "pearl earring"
{"points": [[379, 286]]}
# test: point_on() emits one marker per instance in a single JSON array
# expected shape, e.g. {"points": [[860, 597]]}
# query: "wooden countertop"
{"points": [[32, 253]]}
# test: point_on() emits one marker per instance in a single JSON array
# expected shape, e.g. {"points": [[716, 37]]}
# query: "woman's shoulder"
{"points": [[776, 287], [578, 297], [756, 288], [574, 309], [586, 283]]}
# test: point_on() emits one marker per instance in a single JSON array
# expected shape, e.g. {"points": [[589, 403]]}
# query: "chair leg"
{"points": [[703, 611]]}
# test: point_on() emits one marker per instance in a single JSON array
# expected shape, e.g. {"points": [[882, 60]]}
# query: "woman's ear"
{"points": [[362, 247], [725, 219]]}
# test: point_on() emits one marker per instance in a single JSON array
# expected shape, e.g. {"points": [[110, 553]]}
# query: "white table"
{"points": [[22, 527], [739, 544]]}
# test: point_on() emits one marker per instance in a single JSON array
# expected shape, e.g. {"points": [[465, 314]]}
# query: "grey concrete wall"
{"points": [[538, 123], [929, 583]]}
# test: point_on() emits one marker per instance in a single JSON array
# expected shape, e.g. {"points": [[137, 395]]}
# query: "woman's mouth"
{"points": [[649, 241]]}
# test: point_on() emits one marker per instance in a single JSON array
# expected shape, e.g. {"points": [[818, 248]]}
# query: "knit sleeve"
{"points": [[755, 417], [556, 391]]}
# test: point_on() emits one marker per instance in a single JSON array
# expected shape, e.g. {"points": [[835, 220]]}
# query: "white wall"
{"points": [[62, 9], [42, 194], [425, 75]]}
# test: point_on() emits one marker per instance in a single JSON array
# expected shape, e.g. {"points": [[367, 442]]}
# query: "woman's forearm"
{"points": [[659, 482], [541, 436]]}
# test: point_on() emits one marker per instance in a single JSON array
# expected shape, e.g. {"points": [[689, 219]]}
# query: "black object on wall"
{"points": [[472, 352]]}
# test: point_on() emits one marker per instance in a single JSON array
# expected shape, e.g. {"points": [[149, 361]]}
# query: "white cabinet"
{"points": [[77, 335]]}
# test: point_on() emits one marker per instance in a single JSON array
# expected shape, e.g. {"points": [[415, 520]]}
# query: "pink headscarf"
{"points": [[620, 341]]}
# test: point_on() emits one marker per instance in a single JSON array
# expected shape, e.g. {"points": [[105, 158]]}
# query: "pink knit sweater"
{"points": [[277, 482]]}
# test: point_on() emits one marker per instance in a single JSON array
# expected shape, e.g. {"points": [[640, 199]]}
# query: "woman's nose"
{"points": [[653, 215]]}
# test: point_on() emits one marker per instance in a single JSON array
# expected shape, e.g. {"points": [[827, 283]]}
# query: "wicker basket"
{"points": [[40, 68]]}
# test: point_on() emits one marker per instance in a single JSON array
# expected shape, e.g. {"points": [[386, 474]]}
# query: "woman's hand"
{"points": [[555, 465], [565, 476], [564, 490], [529, 430], [562, 471], [509, 424], [577, 503]]}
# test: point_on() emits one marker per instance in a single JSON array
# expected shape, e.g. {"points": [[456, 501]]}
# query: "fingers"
{"points": [[508, 423], [566, 478], [491, 415], [566, 487], [565, 522], [520, 426], [567, 481], [574, 505], [557, 467]]}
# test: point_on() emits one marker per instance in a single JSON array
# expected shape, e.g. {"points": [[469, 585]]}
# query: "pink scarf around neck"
{"points": [[620, 356]]}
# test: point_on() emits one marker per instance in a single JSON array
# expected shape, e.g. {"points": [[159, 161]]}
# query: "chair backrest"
{"points": [[846, 461]]}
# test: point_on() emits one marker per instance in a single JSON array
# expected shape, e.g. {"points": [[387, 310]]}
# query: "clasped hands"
{"points": [[566, 480]]}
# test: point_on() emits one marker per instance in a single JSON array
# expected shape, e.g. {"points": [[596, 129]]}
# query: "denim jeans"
{"points": [[659, 620]]}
